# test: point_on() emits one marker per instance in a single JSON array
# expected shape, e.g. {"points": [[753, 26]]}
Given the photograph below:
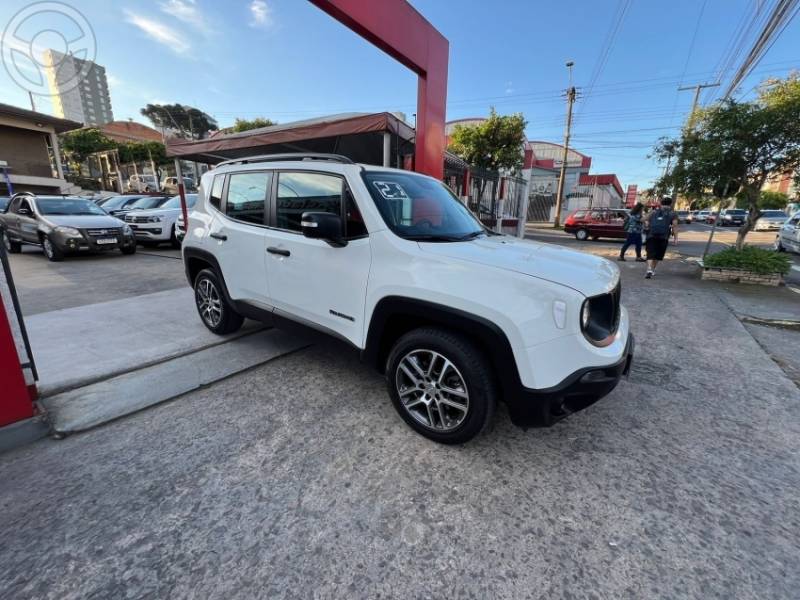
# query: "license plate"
{"points": [[104, 241]]}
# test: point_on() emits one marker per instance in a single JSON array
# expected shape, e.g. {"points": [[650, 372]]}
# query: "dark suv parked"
{"points": [[62, 225]]}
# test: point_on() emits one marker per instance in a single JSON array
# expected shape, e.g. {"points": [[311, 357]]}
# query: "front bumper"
{"points": [[88, 243], [768, 227], [545, 407], [150, 232]]}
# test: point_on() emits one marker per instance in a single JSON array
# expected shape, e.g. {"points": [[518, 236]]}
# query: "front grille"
{"points": [[138, 220], [109, 232]]}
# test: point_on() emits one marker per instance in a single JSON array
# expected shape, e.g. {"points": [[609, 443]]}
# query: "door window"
{"points": [[247, 196], [26, 205], [306, 192], [215, 196]]}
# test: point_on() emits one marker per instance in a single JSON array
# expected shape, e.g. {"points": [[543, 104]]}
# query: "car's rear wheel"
{"points": [[215, 311], [12, 246], [51, 250], [581, 235], [441, 384], [128, 249]]}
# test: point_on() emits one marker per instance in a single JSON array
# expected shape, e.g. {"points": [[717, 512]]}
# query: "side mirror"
{"points": [[323, 226]]}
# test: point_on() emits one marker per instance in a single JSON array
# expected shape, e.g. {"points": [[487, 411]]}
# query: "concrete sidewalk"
{"points": [[102, 361]]}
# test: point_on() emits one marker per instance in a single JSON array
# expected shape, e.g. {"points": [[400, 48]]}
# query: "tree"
{"points": [[495, 143], [737, 145], [257, 123], [186, 120], [767, 200], [80, 143]]}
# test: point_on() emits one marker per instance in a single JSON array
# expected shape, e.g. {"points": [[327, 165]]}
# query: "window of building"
{"points": [[306, 192], [215, 196], [247, 196]]}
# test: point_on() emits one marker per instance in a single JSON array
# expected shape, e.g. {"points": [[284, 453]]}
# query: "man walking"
{"points": [[660, 224]]}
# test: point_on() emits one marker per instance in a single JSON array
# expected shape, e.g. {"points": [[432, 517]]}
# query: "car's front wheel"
{"points": [[441, 384], [215, 311], [581, 235], [11, 246], [51, 250], [173, 240], [778, 245]]}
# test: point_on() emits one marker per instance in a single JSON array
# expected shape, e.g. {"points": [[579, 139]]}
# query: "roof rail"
{"points": [[287, 156]]}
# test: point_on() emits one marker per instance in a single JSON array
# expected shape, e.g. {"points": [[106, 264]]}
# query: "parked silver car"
{"points": [[63, 225], [788, 237], [770, 220]]}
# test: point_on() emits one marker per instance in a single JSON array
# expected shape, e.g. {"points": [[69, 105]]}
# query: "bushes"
{"points": [[750, 258]]}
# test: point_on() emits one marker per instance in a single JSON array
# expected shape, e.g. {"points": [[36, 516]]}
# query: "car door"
{"points": [[9, 219], [790, 234], [26, 225], [616, 226], [599, 224], [238, 229], [311, 280]]}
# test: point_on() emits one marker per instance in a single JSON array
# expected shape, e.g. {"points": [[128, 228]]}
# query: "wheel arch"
{"points": [[195, 260], [395, 316]]}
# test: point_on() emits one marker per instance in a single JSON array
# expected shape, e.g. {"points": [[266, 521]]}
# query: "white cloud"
{"points": [[260, 13], [158, 31], [186, 11]]}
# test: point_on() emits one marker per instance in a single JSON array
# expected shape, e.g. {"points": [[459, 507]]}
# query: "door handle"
{"points": [[281, 251], [218, 236]]}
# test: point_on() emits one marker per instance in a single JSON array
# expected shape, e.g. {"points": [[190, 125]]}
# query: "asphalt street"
{"points": [[298, 480]]}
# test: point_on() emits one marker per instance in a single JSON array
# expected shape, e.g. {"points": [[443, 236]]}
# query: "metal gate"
{"points": [[540, 207]]}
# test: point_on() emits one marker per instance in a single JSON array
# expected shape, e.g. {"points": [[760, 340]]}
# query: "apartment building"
{"points": [[79, 88]]}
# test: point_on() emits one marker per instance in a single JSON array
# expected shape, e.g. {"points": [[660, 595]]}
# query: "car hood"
{"points": [[83, 221], [590, 275]]}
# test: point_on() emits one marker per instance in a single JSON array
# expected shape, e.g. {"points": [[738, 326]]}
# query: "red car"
{"points": [[596, 223]]}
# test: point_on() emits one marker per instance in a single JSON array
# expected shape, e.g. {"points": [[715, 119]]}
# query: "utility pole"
{"points": [[697, 89], [563, 175]]}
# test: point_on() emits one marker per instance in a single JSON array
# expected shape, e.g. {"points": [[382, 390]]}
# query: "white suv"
{"points": [[158, 225], [390, 261]]}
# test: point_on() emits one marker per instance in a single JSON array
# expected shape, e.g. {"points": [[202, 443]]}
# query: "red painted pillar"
{"points": [[15, 400]]}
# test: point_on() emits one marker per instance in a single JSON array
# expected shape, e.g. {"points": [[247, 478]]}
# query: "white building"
{"points": [[79, 89]]}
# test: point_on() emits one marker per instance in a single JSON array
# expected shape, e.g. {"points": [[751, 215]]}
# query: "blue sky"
{"points": [[286, 60]]}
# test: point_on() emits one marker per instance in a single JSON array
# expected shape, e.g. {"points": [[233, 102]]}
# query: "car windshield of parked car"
{"points": [[175, 201], [736, 212], [68, 206], [117, 202], [774, 214], [419, 208], [149, 202]]}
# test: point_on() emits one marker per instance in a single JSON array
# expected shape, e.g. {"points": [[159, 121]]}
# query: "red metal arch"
{"points": [[398, 29]]}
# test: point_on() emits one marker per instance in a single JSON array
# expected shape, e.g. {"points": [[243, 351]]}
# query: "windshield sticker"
{"points": [[391, 190]]}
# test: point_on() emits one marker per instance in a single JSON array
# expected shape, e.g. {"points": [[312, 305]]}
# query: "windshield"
{"points": [[116, 202], [149, 202], [68, 206], [175, 201], [775, 213], [419, 208], [736, 212]]}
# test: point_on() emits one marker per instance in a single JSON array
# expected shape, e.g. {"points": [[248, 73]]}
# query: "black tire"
{"points": [[173, 240], [128, 249], [778, 245], [581, 235], [11, 246], [220, 318], [474, 379], [51, 250]]}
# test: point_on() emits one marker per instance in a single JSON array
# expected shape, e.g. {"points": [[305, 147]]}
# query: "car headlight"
{"points": [[68, 231], [155, 219], [728, 217], [586, 313]]}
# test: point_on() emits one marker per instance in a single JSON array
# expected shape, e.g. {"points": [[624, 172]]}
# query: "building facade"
{"points": [[79, 88], [29, 152]]}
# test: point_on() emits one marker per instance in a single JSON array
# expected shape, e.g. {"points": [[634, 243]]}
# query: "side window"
{"points": [[247, 196], [14, 206], [25, 204], [303, 192], [354, 223], [215, 196]]}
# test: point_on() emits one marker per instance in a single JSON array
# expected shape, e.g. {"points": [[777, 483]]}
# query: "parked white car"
{"points": [[157, 225], [456, 317], [770, 220], [142, 183], [788, 237], [170, 184]]}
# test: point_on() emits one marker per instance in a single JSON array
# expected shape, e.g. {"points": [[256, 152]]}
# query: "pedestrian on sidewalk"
{"points": [[660, 224], [633, 226]]}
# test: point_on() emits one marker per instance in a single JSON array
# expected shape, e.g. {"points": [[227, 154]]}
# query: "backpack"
{"points": [[660, 222]]}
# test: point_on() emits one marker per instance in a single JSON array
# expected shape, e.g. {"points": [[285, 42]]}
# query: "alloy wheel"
{"points": [[209, 302], [432, 390], [7, 242], [48, 247]]}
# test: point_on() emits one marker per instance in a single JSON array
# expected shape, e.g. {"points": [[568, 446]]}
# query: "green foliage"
{"points": [[492, 144], [142, 152], [737, 145], [80, 143], [246, 125], [750, 258], [190, 122]]}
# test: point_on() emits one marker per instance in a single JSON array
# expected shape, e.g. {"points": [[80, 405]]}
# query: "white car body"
{"points": [[142, 184], [788, 237], [768, 222], [156, 225], [532, 293]]}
